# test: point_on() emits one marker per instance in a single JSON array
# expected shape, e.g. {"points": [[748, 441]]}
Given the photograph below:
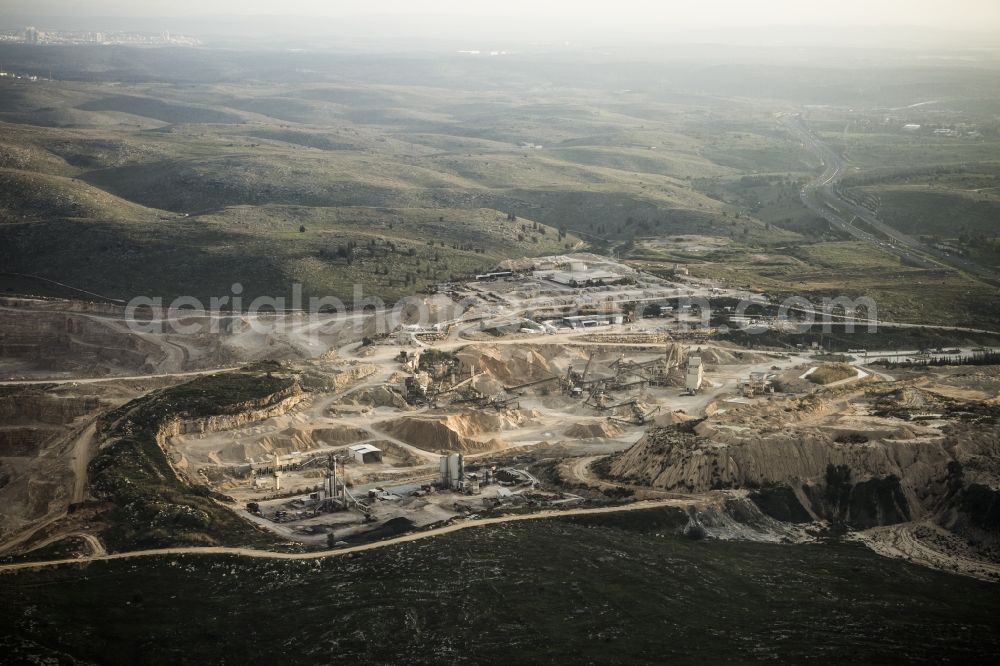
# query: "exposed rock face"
{"points": [[239, 415], [858, 484], [36, 429], [62, 341], [26, 441], [861, 458], [152, 503]]}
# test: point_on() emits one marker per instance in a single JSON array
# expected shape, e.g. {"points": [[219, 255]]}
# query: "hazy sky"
{"points": [[979, 15]]}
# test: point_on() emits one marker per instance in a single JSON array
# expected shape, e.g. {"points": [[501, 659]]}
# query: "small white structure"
{"points": [[365, 453], [695, 374]]}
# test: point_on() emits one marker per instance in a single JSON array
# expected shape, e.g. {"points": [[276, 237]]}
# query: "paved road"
{"points": [[268, 555], [821, 196]]}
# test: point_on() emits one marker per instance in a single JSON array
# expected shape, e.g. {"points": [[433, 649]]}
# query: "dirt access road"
{"points": [[268, 555], [582, 472]]}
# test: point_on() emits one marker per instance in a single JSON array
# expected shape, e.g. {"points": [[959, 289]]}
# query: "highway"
{"points": [[822, 197]]}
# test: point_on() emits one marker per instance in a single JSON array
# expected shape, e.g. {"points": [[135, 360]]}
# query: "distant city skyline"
{"points": [[976, 15]]}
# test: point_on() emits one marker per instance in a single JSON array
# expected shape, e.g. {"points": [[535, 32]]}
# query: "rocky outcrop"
{"points": [[153, 505], [859, 484], [236, 416]]}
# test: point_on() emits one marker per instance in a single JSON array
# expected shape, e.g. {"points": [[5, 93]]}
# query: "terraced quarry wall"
{"points": [[149, 504]]}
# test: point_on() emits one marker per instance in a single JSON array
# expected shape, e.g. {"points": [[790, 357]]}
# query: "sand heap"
{"points": [[671, 418], [513, 366], [288, 441], [379, 396], [463, 433], [601, 429]]}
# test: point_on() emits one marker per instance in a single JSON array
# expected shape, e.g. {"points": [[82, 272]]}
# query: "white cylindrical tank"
{"points": [[456, 470]]}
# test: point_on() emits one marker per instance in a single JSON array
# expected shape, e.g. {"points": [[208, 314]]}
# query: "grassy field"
{"points": [[245, 174], [887, 152], [959, 210], [616, 589], [386, 251], [188, 189], [852, 268], [191, 189]]}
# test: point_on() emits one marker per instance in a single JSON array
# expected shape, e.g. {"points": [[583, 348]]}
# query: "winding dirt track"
{"points": [[83, 452], [582, 473], [268, 555]]}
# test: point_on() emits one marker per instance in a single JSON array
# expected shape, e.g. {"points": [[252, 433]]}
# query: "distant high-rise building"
{"points": [[31, 35]]}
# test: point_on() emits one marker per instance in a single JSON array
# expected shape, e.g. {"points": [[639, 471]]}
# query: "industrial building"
{"points": [[578, 274], [490, 277], [588, 321], [453, 471], [365, 453]]}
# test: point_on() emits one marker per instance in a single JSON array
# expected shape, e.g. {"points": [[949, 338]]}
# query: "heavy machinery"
{"points": [[575, 381], [598, 396], [695, 375], [537, 382], [639, 417], [756, 384], [336, 495], [433, 396]]}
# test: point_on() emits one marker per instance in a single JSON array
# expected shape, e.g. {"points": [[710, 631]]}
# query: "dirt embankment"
{"points": [[63, 342], [597, 430]]}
